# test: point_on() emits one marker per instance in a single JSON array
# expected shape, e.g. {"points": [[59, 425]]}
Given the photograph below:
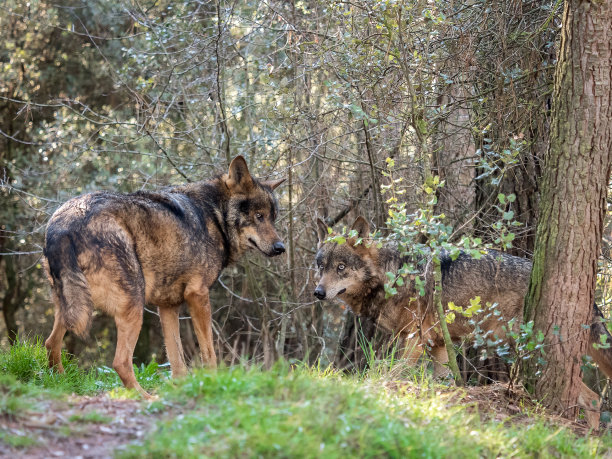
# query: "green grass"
{"points": [[15, 396], [27, 362], [289, 412], [17, 441], [92, 417], [238, 412]]}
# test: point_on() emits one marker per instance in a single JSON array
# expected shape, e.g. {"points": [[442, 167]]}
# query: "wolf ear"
{"points": [[322, 232], [362, 227], [239, 178], [273, 183]]}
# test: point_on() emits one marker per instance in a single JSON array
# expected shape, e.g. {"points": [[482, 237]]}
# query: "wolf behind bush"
{"points": [[355, 272]]}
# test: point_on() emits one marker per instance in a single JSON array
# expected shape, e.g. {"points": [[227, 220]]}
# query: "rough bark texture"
{"points": [[14, 297], [574, 185], [454, 159]]}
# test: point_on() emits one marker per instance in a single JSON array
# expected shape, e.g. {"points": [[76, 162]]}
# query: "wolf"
{"points": [[355, 272], [117, 252]]}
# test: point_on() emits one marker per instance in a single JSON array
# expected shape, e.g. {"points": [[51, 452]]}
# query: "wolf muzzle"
{"points": [[278, 247], [321, 293]]}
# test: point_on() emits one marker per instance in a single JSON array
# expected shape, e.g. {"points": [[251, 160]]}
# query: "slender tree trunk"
{"points": [[14, 297], [220, 87], [448, 343], [572, 209], [454, 155]]}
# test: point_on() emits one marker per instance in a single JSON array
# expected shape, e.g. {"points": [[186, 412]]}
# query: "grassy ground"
{"points": [[289, 411], [27, 362]]}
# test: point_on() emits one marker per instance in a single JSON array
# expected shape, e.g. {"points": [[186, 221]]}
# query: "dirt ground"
{"points": [[81, 427]]}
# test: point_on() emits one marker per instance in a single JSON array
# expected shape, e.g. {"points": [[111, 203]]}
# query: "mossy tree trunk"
{"points": [[572, 208]]}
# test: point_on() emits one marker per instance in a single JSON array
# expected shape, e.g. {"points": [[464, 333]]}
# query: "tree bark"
{"points": [[14, 297], [454, 155], [573, 204]]}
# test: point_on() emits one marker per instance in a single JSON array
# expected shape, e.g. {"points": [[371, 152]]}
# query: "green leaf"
{"points": [[450, 317]]}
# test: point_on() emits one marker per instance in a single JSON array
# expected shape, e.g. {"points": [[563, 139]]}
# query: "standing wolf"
{"points": [[355, 272], [120, 251]]}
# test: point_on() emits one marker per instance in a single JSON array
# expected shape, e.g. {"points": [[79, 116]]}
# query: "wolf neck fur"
{"points": [[202, 194]]}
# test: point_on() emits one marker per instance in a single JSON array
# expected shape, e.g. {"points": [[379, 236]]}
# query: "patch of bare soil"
{"points": [[80, 427]]}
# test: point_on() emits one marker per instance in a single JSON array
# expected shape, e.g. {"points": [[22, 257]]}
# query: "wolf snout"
{"points": [[278, 248], [320, 292]]}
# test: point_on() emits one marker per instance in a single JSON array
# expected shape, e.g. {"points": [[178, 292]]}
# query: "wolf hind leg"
{"points": [[55, 339], [129, 322], [169, 318]]}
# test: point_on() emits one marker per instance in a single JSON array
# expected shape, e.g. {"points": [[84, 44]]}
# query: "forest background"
{"points": [[131, 95]]}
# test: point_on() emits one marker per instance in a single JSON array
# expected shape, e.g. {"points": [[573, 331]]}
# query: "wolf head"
{"points": [[252, 209], [348, 270]]}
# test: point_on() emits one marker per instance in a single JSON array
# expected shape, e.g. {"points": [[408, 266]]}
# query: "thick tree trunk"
{"points": [[572, 209]]}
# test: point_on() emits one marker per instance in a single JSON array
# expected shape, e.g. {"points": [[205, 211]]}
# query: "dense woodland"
{"points": [[355, 103]]}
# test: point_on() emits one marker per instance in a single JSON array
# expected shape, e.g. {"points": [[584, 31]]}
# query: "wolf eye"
{"points": [[341, 267], [259, 217]]}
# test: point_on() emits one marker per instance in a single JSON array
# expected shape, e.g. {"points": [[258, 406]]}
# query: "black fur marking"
{"points": [[446, 264], [222, 227], [319, 260], [273, 206], [60, 253], [199, 214], [244, 206], [355, 261], [237, 173], [167, 201]]}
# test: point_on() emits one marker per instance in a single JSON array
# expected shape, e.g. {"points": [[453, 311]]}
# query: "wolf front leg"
{"points": [[439, 356], [201, 316]]}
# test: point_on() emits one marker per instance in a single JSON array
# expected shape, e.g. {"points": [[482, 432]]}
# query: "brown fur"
{"points": [[117, 252], [356, 273]]}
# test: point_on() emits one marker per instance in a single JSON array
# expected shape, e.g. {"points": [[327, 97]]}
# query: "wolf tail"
{"points": [[601, 356], [69, 284]]}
